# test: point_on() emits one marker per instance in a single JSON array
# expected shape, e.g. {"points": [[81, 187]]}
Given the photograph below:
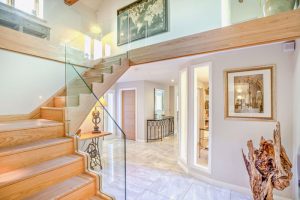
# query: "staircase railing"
{"points": [[108, 156]]}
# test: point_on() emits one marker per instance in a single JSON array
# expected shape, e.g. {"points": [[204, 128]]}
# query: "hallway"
{"points": [[153, 173]]}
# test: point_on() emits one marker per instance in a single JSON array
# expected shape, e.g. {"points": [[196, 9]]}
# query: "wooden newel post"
{"points": [[268, 167]]}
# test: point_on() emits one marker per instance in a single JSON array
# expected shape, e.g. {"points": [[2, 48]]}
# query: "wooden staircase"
{"points": [[98, 80], [39, 162], [37, 159]]}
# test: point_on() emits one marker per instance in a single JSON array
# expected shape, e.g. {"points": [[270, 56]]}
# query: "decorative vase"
{"points": [[272, 7]]}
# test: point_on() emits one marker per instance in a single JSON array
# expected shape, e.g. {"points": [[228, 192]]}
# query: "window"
{"points": [[32, 7]]}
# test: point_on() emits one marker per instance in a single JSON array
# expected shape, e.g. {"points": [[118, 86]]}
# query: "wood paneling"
{"points": [[128, 113], [280, 27]]}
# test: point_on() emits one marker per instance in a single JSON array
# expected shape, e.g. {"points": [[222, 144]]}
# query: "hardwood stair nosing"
{"points": [[88, 180], [54, 124], [43, 171], [6, 151], [53, 108]]}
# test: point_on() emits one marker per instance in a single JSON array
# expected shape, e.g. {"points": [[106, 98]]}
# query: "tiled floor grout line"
{"points": [[187, 190]]}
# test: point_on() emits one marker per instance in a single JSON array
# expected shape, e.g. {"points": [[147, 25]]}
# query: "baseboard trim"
{"points": [[218, 183]]}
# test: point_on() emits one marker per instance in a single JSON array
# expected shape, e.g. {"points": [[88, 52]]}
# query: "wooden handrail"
{"points": [[276, 28]]}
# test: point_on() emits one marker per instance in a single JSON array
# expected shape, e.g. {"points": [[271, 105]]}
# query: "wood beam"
{"points": [[281, 27], [70, 2]]}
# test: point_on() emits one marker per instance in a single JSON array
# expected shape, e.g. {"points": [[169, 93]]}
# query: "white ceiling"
{"points": [[92, 4], [160, 72]]}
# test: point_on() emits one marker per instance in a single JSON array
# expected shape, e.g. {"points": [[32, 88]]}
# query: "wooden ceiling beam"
{"points": [[70, 2], [276, 28]]}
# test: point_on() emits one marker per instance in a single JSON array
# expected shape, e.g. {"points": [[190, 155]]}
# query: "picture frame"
{"points": [[250, 93], [134, 23]]}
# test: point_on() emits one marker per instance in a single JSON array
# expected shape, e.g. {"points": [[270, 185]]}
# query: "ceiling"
{"points": [[160, 72], [92, 4]]}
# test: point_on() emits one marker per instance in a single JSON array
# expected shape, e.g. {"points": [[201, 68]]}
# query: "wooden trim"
{"points": [[276, 28], [19, 42], [26, 44]]}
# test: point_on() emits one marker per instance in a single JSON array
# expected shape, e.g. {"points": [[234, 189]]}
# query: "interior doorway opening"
{"points": [[202, 116]]}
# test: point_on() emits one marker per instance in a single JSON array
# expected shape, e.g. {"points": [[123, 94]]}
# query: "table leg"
{"points": [[94, 153]]}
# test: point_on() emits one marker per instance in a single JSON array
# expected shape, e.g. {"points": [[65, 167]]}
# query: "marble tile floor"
{"points": [[153, 173]]}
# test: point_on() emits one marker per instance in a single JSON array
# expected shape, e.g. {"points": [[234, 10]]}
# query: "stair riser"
{"points": [[82, 193], [27, 158], [30, 186], [12, 138], [59, 102], [53, 114], [75, 91]]}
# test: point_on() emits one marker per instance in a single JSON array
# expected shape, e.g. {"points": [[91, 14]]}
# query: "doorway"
{"points": [[202, 116], [129, 113]]}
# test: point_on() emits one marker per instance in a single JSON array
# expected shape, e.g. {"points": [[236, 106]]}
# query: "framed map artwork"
{"points": [[142, 19]]}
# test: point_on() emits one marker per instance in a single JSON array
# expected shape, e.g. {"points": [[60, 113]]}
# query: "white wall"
{"points": [[296, 112], [23, 79], [185, 18], [230, 136], [67, 22], [26, 82]]}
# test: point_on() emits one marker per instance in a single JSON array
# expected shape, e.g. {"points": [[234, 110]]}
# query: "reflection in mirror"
{"points": [[159, 97]]}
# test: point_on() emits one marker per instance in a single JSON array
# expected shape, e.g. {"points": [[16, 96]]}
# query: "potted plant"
{"points": [[271, 7]]}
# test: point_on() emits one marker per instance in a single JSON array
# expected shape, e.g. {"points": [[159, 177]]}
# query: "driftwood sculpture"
{"points": [[268, 167]]}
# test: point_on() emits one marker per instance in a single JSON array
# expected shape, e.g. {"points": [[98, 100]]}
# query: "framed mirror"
{"points": [[159, 98]]}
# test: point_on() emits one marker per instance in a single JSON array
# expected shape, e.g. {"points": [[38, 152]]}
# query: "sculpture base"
{"points": [[96, 132]]}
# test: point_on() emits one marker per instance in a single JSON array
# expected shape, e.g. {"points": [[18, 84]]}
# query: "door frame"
{"points": [[120, 110]]}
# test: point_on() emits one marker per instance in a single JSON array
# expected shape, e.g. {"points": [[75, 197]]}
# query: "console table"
{"points": [[159, 128], [93, 147]]}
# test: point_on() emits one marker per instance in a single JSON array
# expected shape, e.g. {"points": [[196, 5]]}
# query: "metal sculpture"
{"points": [[96, 120]]}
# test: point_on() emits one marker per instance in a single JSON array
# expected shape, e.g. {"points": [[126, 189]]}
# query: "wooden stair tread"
{"points": [[52, 108], [63, 188], [95, 198], [27, 124], [44, 167], [32, 146]]}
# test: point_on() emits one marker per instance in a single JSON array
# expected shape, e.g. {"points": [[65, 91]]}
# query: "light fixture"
{"points": [[103, 102], [172, 80]]}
